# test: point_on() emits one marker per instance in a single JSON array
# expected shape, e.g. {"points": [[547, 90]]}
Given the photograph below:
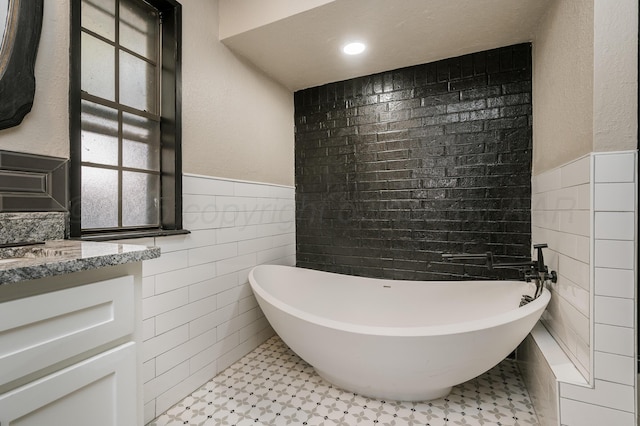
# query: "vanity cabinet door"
{"points": [[99, 391], [39, 331]]}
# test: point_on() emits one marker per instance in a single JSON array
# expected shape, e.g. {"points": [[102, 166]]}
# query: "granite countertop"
{"points": [[59, 257]]}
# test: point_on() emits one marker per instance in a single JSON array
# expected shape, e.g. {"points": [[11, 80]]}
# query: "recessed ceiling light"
{"points": [[354, 48]]}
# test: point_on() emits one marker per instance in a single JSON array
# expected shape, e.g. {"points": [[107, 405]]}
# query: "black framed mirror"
{"points": [[19, 37]]}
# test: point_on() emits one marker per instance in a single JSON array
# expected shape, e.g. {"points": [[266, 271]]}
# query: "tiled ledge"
{"points": [[563, 369], [544, 366]]}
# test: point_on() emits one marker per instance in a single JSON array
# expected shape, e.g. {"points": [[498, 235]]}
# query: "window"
{"points": [[125, 118]]}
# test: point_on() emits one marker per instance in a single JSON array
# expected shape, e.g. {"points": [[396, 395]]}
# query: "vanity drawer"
{"points": [[99, 391], [39, 331]]}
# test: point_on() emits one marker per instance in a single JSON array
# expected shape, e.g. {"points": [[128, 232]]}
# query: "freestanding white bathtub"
{"points": [[395, 340]]}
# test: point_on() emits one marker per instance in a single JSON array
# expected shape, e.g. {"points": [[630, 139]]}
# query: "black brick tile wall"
{"points": [[396, 168]]}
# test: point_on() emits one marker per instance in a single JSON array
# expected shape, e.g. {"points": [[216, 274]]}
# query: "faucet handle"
{"points": [[540, 257]]}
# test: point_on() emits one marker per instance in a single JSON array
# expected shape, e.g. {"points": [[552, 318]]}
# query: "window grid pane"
{"points": [[98, 67], [141, 199], [137, 83], [99, 198], [99, 134], [140, 142], [98, 16], [120, 134], [139, 29]]}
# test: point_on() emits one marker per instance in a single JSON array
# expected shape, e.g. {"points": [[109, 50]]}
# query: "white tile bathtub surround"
{"points": [[614, 311], [615, 234], [576, 413], [200, 315], [611, 396], [614, 339], [615, 368], [615, 282], [615, 197], [615, 168], [561, 217], [614, 225], [614, 254]]}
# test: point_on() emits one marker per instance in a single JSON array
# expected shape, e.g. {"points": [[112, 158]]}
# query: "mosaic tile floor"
{"points": [[273, 386]]}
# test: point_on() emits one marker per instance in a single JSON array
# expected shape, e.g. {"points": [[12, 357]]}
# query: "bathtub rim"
{"points": [[434, 330]]}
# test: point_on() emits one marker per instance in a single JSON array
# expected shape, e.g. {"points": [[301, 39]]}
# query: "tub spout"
{"points": [[488, 257], [526, 265]]}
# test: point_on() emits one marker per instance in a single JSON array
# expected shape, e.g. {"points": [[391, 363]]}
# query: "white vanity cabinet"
{"points": [[70, 356]]}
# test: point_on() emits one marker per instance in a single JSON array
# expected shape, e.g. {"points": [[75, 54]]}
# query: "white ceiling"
{"points": [[304, 50]]}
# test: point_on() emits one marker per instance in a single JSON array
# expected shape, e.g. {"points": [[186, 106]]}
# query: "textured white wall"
{"points": [[585, 80], [45, 130], [563, 84], [615, 82], [237, 123], [245, 15]]}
